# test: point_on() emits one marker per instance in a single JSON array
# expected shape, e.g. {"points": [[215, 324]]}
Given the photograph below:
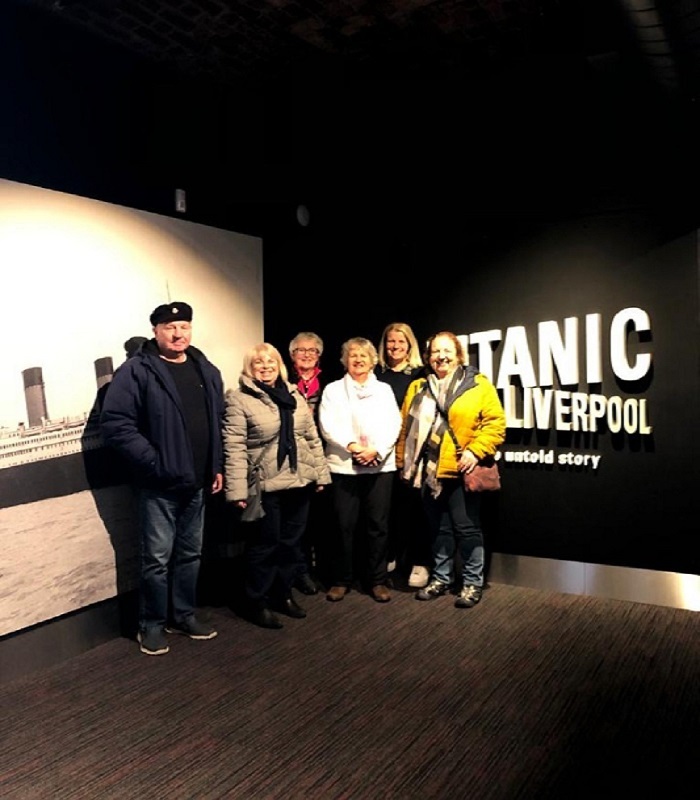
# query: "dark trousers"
{"points": [[312, 555], [365, 499], [410, 540], [272, 545]]}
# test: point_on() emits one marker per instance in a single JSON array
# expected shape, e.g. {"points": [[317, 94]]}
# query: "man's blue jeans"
{"points": [[171, 527], [455, 524]]}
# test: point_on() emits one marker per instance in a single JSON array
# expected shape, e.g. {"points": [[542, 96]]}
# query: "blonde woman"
{"points": [[400, 358], [268, 422], [400, 363]]}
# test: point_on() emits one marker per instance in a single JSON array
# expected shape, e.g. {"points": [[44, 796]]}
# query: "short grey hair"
{"points": [[315, 338], [363, 344]]}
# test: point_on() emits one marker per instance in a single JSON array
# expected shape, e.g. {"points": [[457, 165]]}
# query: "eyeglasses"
{"points": [[312, 351]]}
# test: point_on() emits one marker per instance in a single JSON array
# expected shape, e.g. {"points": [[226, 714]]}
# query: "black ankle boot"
{"points": [[305, 584], [265, 618], [291, 608]]}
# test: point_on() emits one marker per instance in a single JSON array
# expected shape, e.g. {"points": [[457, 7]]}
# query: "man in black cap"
{"points": [[163, 412]]}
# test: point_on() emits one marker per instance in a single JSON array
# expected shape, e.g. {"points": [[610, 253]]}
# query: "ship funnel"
{"points": [[35, 396], [104, 370]]}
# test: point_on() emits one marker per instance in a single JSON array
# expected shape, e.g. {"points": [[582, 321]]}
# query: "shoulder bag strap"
{"points": [[458, 446], [258, 460]]}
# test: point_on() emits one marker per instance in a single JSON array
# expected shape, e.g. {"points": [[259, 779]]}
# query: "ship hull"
{"points": [[60, 476]]}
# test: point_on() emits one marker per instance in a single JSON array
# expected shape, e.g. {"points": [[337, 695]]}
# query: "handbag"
{"points": [[485, 476], [254, 510]]}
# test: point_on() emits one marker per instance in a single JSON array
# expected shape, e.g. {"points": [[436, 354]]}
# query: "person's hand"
{"points": [[366, 457], [218, 484], [240, 504], [319, 488], [468, 461]]}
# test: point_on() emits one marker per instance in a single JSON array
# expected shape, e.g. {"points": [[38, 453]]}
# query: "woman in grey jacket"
{"points": [[267, 422]]}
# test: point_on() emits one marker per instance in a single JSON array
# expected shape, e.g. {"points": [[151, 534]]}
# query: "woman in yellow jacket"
{"points": [[457, 402]]}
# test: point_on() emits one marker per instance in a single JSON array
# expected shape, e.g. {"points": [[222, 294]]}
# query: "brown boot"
{"points": [[380, 593], [336, 593]]}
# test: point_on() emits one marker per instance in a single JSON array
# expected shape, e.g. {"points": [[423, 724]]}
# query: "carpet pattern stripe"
{"points": [[528, 695]]}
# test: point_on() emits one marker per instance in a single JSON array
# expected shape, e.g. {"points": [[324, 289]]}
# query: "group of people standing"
{"points": [[360, 481]]}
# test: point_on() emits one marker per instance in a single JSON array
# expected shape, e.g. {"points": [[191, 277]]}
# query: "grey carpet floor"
{"points": [[529, 695]]}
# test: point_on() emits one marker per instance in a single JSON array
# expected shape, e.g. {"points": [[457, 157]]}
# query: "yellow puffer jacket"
{"points": [[476, 417]]}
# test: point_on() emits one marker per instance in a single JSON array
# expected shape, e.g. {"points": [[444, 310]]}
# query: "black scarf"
{"points": [[282, 398]]}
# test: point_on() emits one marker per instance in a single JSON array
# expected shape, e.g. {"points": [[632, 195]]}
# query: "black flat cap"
{"points": [[171, 312]]}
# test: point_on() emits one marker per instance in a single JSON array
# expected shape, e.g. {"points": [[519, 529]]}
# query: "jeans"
{"points": [[455, 524], [171, 527], [273, 545]]}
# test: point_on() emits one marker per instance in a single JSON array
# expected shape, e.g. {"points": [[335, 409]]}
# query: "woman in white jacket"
{"points": [[267, 422], [360, 423]]}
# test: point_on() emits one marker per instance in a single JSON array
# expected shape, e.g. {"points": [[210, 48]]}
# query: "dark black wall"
{"points": [[85, 116], [424, 200], [639, 508]]}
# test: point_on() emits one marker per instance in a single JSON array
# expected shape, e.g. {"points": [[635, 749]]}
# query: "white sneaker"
{"points": [[391, 566], [419, 577]]}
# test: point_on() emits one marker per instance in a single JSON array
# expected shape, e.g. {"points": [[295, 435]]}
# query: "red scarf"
{"points": [[312, 386]]}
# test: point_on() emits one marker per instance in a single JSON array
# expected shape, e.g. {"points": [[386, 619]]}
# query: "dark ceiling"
{"points": [[272, 40], [581, 86]]}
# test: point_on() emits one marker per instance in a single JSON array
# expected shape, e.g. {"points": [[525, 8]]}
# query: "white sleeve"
{"points": [[334, 417]]}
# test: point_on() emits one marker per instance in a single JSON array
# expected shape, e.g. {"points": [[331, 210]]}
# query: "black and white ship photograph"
{"points": [[84, 276]]}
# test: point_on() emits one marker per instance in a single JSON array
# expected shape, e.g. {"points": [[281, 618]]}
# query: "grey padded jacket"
{"points": [[251, 423]]}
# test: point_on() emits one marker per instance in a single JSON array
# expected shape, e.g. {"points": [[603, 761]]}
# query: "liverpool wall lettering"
{"points": [[526, 383]]}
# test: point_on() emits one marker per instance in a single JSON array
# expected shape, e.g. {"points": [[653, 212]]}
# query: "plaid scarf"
{"points": [[426, 426]]}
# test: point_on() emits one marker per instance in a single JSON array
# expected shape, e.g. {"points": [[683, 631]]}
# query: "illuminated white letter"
{"points": [[484, 353], [594, 349], [614, 413], [579, 411], [516, 359], [542, 405], [630, 415], [554, 351], [597, 404], [561, 410], [618, 344], [510, 407]]}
